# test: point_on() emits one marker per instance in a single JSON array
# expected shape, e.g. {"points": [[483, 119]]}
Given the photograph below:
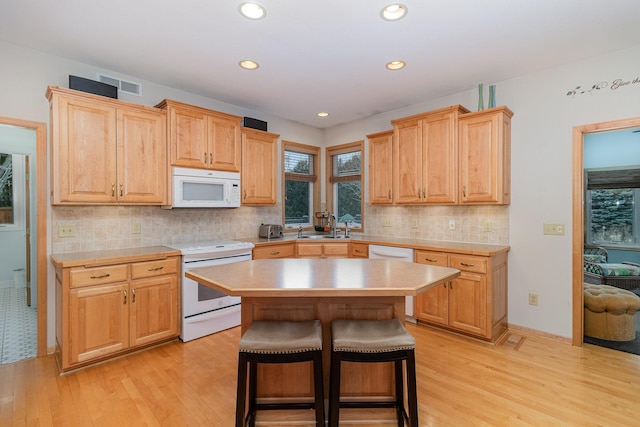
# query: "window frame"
{"points": [[313, 178], [332, 151]]}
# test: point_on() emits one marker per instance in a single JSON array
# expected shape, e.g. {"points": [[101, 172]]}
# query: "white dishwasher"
{"points": [[398, 254]]}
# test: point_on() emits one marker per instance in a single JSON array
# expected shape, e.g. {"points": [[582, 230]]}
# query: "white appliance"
{"points": [[205, 310], [398, 254], [200, 188]]}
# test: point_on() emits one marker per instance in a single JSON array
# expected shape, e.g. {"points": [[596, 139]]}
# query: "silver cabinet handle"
{"points": [[124, 292]]}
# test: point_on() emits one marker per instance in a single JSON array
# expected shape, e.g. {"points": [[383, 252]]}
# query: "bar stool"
{"points": [[374, 341], [278, 342]]}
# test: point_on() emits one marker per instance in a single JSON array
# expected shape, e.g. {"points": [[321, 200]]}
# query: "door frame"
{"points": [[41, 223], [578, 215]]}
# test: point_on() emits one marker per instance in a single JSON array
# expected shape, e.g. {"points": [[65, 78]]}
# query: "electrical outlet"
{"points": [[533, 299], [386, 222], [487, 227], [414, 223], [66, 230], [452, 224], [135, 227], [553, 229]]}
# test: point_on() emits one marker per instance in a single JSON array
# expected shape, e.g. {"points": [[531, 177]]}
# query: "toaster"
{"points": [[270, 231]]}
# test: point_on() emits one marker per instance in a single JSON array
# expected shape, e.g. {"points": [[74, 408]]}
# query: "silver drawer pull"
{"points": [[467, 264], [275, 252], [431, 260], [358, 251], [155, 268], [101, 276]]}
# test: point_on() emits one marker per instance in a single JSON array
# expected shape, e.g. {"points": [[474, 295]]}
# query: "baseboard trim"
{"points": [[539, 334]]}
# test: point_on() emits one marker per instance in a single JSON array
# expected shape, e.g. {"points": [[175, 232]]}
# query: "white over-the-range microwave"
{"points": [[201, 188]]}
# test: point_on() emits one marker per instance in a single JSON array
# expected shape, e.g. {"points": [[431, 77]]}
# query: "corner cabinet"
{"points": [[380, 168], [202, 138], [258, 180], [105, 151], [485, 157], [425, 157], [474, 303], [106, 308]]}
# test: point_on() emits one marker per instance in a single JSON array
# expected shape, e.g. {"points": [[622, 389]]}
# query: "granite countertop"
{"points": [[418, 244], [112, 256]]}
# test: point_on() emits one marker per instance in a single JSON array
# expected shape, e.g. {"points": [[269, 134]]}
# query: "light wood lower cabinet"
{"points": [[287, 250], [109, 310], [358, 250], [474, 303], [322, 250]]}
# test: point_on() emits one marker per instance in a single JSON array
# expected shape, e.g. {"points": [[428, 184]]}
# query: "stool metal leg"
{"points": [[241, 394], [334, 389], [399, 380], [319, 389], [412, 388]]}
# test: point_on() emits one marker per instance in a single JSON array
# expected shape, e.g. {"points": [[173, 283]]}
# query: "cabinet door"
{"points": [[154, 309], [98, 321], [224, 144], [407, 162], [335, 250], [259, 163], [142, 156], [380, 168], [275, 251], [83, 151], [433, 305], [188, 137], [468, 303], [358, 250], [309, 250], [485, 157], [440, 158]]}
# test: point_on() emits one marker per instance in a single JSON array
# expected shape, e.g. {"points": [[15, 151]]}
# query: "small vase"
{"points": [[492, 96], [480, 97]]}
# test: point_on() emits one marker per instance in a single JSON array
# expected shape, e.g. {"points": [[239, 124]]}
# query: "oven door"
{"points": [[199, 299]]}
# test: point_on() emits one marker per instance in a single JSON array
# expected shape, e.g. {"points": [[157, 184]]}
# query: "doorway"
{"points": [[34, 230], [578, 219]]}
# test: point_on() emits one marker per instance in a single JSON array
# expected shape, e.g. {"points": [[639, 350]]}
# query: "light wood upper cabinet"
{"points": [[380, 168], [106, 151], [425, 157], [202, 138], [258, 180], [485, 157]]}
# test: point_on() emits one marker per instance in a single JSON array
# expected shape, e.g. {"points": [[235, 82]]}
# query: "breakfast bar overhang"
{"points": [[324, 289]]}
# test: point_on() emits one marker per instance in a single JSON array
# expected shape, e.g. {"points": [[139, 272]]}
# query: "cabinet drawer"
{"points": [[313, 249], [359, 250], [432, 258], [98, 275], [471, 263], [154, 268], [275, 251], [336, 249]]}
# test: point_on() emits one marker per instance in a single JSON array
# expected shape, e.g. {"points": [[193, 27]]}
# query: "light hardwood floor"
{"points": [[527, 381]]}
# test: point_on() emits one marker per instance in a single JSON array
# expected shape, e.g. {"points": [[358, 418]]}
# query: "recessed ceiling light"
{"points": [[395, 65], [393, 12], [247, 64], [323, 114], [252, 10]]}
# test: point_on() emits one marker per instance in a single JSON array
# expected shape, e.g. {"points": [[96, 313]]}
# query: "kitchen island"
{"points": [[324, 289]]}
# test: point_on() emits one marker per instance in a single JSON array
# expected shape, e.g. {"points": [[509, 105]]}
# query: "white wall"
{"points": [[541, 156]]}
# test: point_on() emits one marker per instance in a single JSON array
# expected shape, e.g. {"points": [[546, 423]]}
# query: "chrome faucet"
{"points": [[346, 228], [299, 231], [335, 229]]}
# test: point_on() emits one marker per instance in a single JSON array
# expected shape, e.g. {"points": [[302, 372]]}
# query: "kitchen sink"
{"points": [[319, 236]]}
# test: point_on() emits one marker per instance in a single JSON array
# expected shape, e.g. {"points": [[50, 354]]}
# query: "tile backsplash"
{"points": [[116, 227]]}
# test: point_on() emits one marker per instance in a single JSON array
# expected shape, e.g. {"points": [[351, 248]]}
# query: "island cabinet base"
{"points": [[361, 380]]}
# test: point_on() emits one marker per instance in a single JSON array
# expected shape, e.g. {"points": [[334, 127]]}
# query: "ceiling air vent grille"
{"points": [[122, 85]]}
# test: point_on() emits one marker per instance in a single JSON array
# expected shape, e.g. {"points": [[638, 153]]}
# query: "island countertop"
{"points": [[322, 277]]}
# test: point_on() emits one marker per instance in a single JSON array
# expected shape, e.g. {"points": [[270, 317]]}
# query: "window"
{"points": [[612, 216], [11, 191], [301, 191], [344, 191]]}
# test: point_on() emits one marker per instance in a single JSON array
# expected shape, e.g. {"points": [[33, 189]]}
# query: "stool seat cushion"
{"points": [[371, 336], [281, 337]]}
